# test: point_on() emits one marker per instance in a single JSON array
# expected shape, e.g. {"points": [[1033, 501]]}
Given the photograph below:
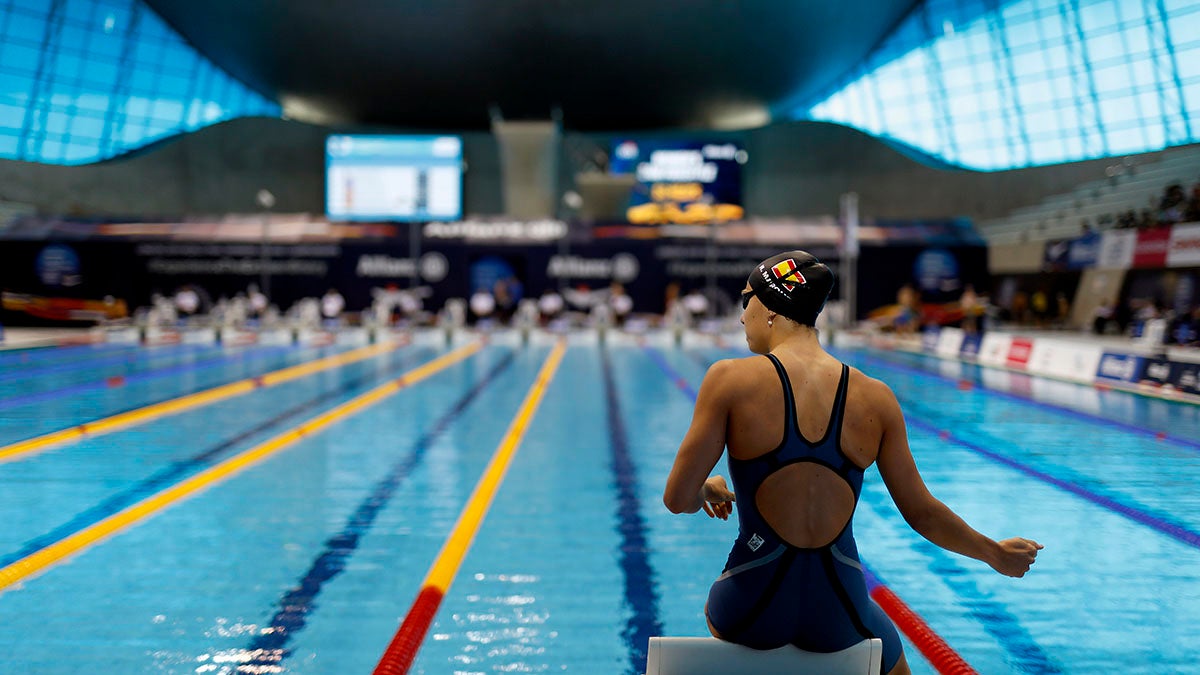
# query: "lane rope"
{"points": [[402, 650], [25, 448], [69, 546]]}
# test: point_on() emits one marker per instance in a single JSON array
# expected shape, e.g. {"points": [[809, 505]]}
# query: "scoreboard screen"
{"points": [[402, 178]]}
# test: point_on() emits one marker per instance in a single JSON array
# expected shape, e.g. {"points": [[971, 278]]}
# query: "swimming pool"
{"points": [[307, 550]]}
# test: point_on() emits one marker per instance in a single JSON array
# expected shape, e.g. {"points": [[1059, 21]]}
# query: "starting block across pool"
{"points": [[710, 656]]}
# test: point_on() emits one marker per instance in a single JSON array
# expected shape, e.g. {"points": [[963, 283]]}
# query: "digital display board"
{"points": [[407, 178], [687, 181]]}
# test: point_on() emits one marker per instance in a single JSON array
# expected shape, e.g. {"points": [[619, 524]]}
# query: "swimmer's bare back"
{"points": [[807, 504]]}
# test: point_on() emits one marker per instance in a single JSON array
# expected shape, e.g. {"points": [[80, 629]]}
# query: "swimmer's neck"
{"points": [[794, 338]]}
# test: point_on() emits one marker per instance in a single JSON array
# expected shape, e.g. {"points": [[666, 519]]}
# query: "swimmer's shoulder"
{"points": [[871, 391], [738, 375]]}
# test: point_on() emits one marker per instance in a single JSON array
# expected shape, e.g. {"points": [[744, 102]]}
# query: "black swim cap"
{"points": [[793, 284]]}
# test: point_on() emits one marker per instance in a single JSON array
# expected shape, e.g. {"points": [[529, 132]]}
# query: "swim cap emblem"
{"points": [[787, 270], [784, 289]]}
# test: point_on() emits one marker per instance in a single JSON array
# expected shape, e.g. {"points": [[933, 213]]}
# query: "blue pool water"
{"points": [[308, 561]]}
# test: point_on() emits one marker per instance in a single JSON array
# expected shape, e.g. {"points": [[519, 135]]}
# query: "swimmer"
{"points": [[801, 428]]}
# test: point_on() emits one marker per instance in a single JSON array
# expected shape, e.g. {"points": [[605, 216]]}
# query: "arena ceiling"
{"points": [[599, 65]]}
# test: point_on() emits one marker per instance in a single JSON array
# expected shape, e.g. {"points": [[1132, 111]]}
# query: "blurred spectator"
{"points": [[1173, 205], [332, 304], [187, 301], [506, 303], [908, 314], [670, 297], [1039, 303], [482, 305], [1062, 309], [257, 302], [696, 303], [972, 309], [619, 302], [1103, 316], [550, 306]]}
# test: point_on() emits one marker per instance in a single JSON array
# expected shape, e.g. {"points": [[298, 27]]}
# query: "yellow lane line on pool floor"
{"points": [[399, 654], [54, 553], [190, 401]]}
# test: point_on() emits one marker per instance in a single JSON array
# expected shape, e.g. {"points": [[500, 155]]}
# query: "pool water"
{"points": [[308, 560]]}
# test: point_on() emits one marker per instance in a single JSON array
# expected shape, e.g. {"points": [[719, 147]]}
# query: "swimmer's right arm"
{"points": [[928, 515], [689, 487]]}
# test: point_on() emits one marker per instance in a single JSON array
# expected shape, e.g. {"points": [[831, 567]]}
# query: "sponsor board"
{"points": [[929, 339], [1064, 360], [949, 342], [970, 346], [1183, 249], [199, 336], [1185, 377], [1155, 372], [1151, 248], [993, 351], [1116, 249], [1019, 352], [1119, 367]]}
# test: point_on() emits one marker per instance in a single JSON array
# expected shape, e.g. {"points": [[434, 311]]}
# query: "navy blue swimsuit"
{"points": [[773, 593]]}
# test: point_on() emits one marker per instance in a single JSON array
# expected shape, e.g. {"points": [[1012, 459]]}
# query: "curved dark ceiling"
{"points": [[612, 65]]}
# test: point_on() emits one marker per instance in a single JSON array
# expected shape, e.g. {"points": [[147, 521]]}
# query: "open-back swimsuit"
{"points": [[773, 593]]}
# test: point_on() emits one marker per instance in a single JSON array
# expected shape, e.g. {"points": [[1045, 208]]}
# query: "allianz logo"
{"points": [[622, 267], [1117, 367], [1158, 371], [1188, 380]]}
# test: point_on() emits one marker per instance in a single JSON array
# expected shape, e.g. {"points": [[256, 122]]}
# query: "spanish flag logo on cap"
{"points": [[786, 270]]}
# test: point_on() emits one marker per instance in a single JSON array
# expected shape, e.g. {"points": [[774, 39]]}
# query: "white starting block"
{"points": [[710, 656]]}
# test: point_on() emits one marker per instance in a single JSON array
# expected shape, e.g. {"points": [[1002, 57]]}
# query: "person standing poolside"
{"points": [[793, 576]]}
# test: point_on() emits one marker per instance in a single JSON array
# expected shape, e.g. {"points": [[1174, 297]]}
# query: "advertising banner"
{"points": [[970, 346], [1064, 360], [1116, 249], [1019, 352], [1183, 250], [1125, 368], [1185, 377], [949, 342], [1151, 247], [993, 351]]}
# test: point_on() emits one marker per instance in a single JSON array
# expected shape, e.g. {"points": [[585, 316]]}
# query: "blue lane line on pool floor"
{"points": [[180, 470], [641, 592], [35, 353], [993, 616], [1042, 405], [130, 358], [1139, 515], [267, 650], [135, 378], [1025, 654]]}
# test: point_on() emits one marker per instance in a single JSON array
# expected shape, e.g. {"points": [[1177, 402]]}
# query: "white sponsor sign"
{"points": [[1064, 360], [1116, 249], [1183, 250], [993, 351], [949, 342]]}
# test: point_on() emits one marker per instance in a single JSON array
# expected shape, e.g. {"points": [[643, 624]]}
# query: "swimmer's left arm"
{"points": [[927, 515], [689, 487]]}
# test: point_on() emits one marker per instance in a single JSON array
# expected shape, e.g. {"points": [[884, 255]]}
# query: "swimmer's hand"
{"points": [[1015, 556], [718, 498]]}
